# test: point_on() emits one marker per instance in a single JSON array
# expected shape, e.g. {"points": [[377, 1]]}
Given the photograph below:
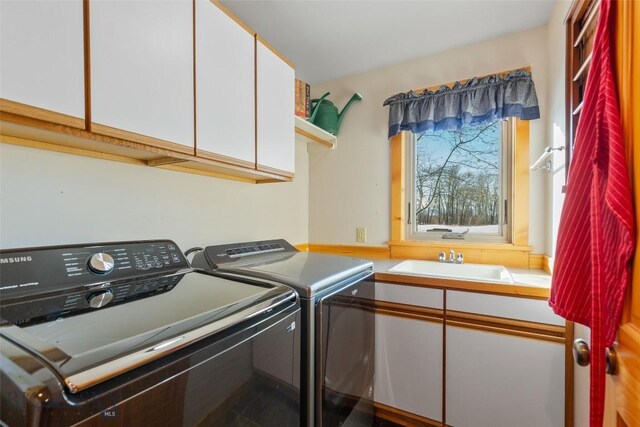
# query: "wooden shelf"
{"points": [[309, 133]]}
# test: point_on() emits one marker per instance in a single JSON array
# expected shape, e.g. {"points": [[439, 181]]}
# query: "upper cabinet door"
{"points": [[142, 71], [275, 81], [42, 60], [225, 87]]}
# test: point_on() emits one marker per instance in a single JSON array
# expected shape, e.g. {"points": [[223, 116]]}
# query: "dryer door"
{"points": [[345, 356]]}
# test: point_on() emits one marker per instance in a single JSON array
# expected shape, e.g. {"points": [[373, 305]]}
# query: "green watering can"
{"points": [[325, 115]]}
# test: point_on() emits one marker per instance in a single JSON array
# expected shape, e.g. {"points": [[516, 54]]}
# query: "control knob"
{"points": [[101, 263], [100, 298]]}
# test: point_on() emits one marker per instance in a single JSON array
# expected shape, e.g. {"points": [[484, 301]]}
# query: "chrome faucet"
{"points": [[452, 257]]}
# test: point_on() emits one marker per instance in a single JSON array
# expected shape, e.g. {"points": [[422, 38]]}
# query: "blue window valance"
{"points": [[475, 102]]}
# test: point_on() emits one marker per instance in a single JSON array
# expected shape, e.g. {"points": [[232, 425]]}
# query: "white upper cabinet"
{"points": [[225, 87], [142, 71], [275, 109], [42, 57]]}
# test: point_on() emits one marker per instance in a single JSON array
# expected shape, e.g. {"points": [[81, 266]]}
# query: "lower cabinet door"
{"points": [[409, 365], [497, 380]]}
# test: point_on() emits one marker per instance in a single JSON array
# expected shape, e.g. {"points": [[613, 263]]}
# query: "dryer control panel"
{"points": [[214, 256]]}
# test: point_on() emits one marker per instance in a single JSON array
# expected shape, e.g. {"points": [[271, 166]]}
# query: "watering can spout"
{"points": [[356, 97]]}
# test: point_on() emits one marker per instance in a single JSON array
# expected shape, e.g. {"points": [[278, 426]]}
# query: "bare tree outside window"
{"points": [[458, 180]]}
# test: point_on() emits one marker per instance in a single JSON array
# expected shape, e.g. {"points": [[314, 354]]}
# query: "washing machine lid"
{"points": [[66, 321], [307, 273]]}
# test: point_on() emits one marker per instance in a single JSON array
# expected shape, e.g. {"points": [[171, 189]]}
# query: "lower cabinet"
{"points": [[503, 358], [408, 373], [500, 380]]}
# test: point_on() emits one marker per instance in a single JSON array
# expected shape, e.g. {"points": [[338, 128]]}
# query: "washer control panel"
{"points": [[101, 263], [40, 310], [25, 272]]}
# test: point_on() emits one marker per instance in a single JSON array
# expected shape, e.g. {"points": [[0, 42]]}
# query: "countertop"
{"points": [[532, 283]]}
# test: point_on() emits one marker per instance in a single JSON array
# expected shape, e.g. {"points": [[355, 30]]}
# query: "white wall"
{"points": [[53, 198], [350, 186], [555, 119]]}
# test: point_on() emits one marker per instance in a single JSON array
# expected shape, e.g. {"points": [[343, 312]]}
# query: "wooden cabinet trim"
{"points": [[568, 375], [27, 126], [233, 16], [4, 139], [351, 250], [541, 331], [503, 331], [520, 291], [224, 159], [403, 418], [28, 132], [409, 311], [274, 171], [272, 49], [501, 325], [19, 109], [143, 139]]}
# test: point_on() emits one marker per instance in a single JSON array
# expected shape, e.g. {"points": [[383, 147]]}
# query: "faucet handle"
{"points": [[452, 255], [441, 257], [460, 259]]}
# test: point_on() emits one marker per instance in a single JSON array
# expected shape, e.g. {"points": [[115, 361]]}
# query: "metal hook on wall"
{"points": [[542, 163]]}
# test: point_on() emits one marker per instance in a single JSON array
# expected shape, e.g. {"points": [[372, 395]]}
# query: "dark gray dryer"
{"points": [[338, 325]]}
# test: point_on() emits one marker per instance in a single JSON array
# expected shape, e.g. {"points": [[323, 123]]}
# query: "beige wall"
{"points": [[555, 119], [52, 198], [349, 187]]}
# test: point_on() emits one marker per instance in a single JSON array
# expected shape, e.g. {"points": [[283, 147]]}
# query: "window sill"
{"points": [[481, 253]]}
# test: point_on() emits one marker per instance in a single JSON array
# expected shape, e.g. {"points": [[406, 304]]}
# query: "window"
{"points": [[459, 182]]}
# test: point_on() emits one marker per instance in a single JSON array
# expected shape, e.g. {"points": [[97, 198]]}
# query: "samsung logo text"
{"points": [[15, 259]]}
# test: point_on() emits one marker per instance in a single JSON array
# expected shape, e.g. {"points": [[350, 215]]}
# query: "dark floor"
{"points": [[264, 404], [261, 405]]}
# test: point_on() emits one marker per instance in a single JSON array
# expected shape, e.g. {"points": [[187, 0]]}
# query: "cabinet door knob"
{"points": [[581, 353], [612, 361]]}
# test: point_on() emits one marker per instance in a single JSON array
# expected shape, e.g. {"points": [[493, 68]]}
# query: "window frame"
{"points": [[506, 181], [516, 253]]}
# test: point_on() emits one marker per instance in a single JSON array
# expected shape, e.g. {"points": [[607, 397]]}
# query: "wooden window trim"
{"points": [[517, 251]]}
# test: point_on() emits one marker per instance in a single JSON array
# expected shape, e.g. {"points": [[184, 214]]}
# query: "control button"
{"points": [[175, 257], [99, 299], [101, 263], [171, 247]]}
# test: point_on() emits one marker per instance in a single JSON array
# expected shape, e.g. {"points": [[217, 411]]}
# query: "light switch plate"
{"points": [[361, 234]]}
